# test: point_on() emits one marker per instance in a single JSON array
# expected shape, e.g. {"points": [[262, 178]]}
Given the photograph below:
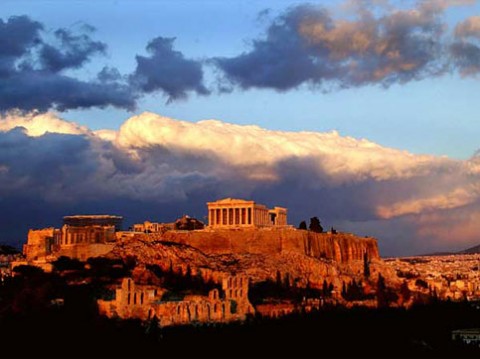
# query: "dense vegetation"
{"points": [[31, 313]]}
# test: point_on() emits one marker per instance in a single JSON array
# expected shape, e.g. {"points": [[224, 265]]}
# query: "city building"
{"points": [[469, 336], [230, 212]]}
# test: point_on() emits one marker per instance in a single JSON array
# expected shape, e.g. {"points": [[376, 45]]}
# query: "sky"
{"points": [[360, 112]]}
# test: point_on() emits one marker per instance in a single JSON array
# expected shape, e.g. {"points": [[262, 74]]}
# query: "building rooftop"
{"points": [[93, 216]]}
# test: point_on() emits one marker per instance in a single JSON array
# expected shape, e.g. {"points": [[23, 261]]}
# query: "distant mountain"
{"points": [[6, 249], [471, 250]]}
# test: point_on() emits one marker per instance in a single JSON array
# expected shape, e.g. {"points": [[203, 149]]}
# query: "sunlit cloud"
{"points": [[160, 161]]}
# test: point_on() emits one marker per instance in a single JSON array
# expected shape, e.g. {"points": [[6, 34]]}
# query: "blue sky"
{"points": [[434, 115]]}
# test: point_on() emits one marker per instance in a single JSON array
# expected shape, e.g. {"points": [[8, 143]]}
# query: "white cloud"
{"points": [[165, 162], [37, 124], [341, 158]]}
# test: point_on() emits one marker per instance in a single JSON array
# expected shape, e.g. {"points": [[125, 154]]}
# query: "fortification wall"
{"points": [[341, 247], [39, 242], [84, 251]]}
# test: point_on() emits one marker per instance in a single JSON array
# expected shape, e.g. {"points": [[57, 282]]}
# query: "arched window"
{"points": [[128, 300], [135, 298], [141, 298]]}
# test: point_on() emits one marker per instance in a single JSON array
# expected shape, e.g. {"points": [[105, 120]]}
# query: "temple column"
{"points": [[209, 217], [228, 216]]}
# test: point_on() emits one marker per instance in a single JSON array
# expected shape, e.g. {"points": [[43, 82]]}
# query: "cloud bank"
{"points": [[159, 168], [376, 45]]}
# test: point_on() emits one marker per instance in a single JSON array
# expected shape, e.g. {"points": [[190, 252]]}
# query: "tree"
{"points": [[381, 292], [64, 263], [315, 225], [325, 288], [366, 265], [344, 290], [405, 291], [302, 225]]}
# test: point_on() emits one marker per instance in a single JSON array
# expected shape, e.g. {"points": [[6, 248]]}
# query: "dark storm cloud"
{"points": [[74, 51], [159, 169], [465, 50], [32, 70], [167, 70], [306, 45]]}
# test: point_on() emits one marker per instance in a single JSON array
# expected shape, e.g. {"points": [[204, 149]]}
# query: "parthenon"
{"points": [[231, 212]]}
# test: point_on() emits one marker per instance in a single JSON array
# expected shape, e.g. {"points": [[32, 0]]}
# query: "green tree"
{"points": [[366, 265], [315, 225]]}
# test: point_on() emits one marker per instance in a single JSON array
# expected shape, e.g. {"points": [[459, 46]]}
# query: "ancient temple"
{"points": [[231, 212]]}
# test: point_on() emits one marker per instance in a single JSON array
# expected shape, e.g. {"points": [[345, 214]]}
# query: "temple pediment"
{"points": [[230, 200]]}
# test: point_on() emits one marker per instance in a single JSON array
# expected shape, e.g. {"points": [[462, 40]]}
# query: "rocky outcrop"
{"points": [[301, 256], [340, 247]]}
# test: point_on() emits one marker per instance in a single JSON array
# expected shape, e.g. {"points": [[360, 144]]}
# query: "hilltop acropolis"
{"points": [[231, 212]]}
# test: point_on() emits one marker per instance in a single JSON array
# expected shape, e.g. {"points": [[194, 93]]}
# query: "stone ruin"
{"points": [[144, 302]]}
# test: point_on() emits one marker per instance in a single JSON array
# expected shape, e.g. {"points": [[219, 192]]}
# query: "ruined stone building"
{"points": [[41, 242], [230, 212], [151, 227], [81, 237], [146, 301]]}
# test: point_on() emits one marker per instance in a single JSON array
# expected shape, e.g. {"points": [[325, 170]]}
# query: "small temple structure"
{"points": [[231, 212]]}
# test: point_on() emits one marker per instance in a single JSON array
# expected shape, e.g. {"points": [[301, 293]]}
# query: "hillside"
{"points": [[303, 257], [341, 247], [471, 250]]}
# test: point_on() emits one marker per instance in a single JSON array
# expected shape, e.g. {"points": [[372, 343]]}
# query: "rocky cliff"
{"points": [[302, 256], [340, 247]]}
